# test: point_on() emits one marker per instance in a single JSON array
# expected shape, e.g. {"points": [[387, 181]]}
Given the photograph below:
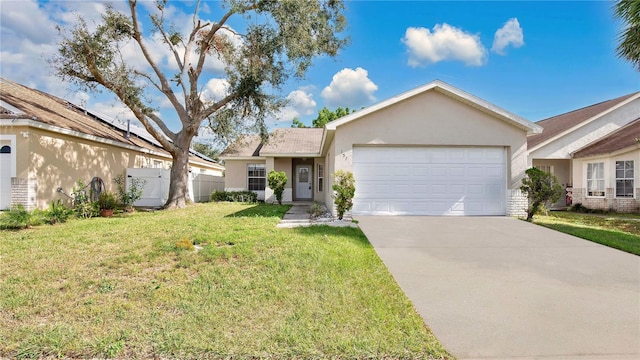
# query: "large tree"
{"points": [[324, 116], [278, 39], [629, 47]]}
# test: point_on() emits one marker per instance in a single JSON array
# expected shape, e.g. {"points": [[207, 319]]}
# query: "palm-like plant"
{"points": [[629, 47]]}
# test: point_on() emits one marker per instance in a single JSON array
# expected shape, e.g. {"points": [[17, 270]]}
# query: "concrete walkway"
{"points": [[501, 288], [298, 215]]}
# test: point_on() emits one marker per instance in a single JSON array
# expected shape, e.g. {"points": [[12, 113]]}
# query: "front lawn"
{"points": [[119, 287], [619, 231]]}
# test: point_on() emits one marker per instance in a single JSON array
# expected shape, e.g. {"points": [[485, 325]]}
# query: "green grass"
{"points": [[619, 231], [121, 288]]}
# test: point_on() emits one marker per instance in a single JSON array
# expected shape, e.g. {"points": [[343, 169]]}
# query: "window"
{"points": [[624, 179], [5, 149], [256, 177], [320, 177], [595, 179]]}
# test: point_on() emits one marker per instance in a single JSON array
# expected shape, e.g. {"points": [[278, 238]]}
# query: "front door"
{"points": [[303, 182]]}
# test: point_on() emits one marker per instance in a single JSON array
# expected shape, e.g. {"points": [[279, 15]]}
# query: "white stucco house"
{"points": [[593, 153], [434, 150]]}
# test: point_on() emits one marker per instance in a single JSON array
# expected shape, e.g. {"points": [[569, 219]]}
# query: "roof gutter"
{"points": [[39, 125]]}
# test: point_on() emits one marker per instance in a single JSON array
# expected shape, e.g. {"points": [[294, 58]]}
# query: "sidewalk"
{"points": [[298, 215]]}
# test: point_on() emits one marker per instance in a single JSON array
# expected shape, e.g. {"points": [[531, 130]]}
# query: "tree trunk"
{"points": [[179, 180]]}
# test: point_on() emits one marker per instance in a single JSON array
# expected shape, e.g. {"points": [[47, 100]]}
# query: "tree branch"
{"points": [[166, 88]]}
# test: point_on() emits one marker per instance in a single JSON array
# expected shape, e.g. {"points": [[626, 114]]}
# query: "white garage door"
{"points": [[429, 180]]}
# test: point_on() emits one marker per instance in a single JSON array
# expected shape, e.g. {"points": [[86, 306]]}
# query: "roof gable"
{"points": [[625, 137], [281, 142], [450, 91], [559, 125], [21, 102]]}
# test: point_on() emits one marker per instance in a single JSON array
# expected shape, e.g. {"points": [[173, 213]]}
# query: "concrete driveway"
{"points": [[501, 288]]}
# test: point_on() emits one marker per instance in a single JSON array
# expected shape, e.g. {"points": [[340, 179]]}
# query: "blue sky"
{"points": [[554, 56]]}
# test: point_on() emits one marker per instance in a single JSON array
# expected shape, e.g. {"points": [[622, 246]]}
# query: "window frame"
{"points": [[263, 177], [320, 178], [600, 179], [625, 178]]}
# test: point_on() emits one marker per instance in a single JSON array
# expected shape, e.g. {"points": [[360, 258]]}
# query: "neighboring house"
{"points": [[47, 143], [564, 144], [434, 150]]}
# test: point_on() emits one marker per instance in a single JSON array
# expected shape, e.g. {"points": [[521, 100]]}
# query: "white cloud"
{"points": [[216, 89], [300, 103], [350, 88], [25, 20], [509, 34], [445, 42]]}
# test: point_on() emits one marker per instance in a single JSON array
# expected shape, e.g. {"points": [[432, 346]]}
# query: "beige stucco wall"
{"points": [[52, 160], [561, 168], [432, 118], [236, 173]]}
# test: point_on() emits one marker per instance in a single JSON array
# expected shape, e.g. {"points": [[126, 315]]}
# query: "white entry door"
{"points": [[303, 182], [5, 177]]}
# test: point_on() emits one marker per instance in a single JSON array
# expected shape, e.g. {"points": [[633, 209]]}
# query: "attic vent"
{"points": [[6, 108]]}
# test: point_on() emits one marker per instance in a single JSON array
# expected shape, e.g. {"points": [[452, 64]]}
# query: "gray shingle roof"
{"points": [[289, 141], [622, 138], [557, 124]]}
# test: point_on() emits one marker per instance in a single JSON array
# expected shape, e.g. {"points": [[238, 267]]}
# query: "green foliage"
{"points": [[629, 39], [325, 115], [207, 150], [19, 218], [277, 181], [258, 61], [344, 188], [297, 123], [107, 201], [82, 204], [58, 213], [235, 196], [541, 188], [128, 196]]}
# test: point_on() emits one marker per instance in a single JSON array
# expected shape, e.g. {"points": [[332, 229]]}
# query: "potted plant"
{"points": [[129, 195], [106, 202]]}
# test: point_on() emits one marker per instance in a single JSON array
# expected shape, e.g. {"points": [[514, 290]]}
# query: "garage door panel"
{"points": [[429, 181]]}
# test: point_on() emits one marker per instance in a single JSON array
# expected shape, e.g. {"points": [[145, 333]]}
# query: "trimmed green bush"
{"points": [[277, 181], [235, 196], [344, 188], [541, 188]]}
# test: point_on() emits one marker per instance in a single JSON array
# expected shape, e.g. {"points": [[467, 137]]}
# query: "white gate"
{"points": [[156, 189]]}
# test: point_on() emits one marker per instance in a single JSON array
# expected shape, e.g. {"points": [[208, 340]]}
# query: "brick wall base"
{"points": [[517, 203], [609, 202]]}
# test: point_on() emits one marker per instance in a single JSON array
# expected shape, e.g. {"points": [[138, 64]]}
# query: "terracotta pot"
{"points": [[106, 212]]}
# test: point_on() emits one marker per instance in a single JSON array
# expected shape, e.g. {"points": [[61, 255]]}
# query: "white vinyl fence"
{"points": [[156, 189]]}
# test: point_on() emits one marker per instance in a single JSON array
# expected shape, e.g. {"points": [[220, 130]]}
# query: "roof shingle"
{"points": [[557, 124], [286, 141], [622, 138]]}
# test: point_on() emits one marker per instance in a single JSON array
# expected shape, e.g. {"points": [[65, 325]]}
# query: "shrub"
{"points": [[19, 218], [82, 204], [58, 213], [344, 189], [316, 210], [128, 196], [107, 201], [277, 181], [235, 196], [541, 187]]}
